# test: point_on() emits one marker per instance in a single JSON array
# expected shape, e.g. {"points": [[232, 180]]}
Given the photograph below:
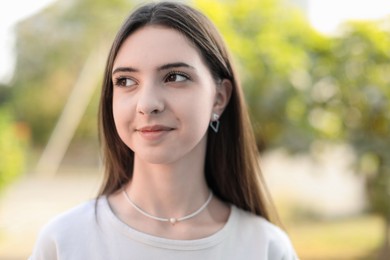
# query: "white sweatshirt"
{"points": [[85, 234]]}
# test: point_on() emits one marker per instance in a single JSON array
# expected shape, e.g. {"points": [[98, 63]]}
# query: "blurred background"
{"points": [[317, 80]]}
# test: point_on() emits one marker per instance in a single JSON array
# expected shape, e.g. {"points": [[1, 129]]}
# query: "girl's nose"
{"points": [[150, 100]]}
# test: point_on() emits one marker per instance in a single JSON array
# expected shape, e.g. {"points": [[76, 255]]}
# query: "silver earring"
{"points": [[214, 124]]}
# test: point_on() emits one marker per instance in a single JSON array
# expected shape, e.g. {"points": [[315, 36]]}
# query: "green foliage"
{"points": [[302, 86], [12, 149], [351, 91], [52, 47], [361, 74]]}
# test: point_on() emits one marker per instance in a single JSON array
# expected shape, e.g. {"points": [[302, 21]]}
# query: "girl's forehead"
{"points": [[156, 45]]}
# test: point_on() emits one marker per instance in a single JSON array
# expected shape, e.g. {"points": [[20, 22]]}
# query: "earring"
{"points": [[215, 123]]}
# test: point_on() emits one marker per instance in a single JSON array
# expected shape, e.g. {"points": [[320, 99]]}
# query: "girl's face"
{"points": [[163, 96]]}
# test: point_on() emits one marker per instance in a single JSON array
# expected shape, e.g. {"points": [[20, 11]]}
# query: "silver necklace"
{"points": [[171, 220]]}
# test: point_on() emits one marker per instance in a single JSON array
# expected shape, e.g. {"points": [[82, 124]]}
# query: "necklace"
{"points": [[171, 220]]}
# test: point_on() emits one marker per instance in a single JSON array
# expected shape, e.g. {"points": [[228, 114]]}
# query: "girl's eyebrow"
{"points": [[175, 65], [160, 68], [124, 69]]}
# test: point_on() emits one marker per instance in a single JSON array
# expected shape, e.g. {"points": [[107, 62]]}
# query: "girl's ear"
{"points": [[222, 97]]}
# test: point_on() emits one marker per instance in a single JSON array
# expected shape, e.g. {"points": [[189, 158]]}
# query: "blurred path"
{"points": [[30, 202]]}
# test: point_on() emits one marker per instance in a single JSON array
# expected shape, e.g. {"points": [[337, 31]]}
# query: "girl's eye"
{"points": [[176, 77], [124, 82]]}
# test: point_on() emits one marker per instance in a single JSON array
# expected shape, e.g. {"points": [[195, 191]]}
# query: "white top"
{"points": [[83, 233]]}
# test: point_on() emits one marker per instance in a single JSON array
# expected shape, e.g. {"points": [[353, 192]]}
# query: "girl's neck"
{"points": [[168, 190]]}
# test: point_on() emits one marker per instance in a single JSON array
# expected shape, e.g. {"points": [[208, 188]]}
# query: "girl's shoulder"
{"points": [[258, 223], [67, 228], [79, 218], [263, 232]]}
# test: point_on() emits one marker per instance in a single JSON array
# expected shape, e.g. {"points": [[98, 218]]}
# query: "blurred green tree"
{"points": [[361, 74], [51, 50]]}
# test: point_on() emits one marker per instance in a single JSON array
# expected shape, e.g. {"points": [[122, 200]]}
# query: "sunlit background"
{"points": [[317, 80]]}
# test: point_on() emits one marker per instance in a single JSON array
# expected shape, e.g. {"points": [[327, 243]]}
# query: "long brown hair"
{"points": [[232, 169]]}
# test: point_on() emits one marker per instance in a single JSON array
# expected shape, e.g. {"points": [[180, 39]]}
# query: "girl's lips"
{"points": [[155, 128], [154, 133]]}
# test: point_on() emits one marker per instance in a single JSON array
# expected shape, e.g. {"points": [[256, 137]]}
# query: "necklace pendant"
{"points": [[173, 221]]}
